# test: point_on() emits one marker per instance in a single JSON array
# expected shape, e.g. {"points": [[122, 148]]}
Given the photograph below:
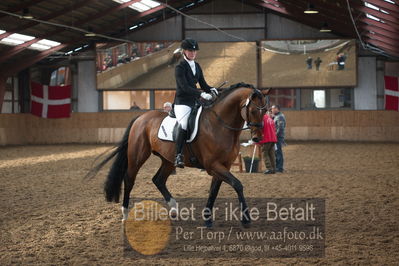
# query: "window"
{"points": [[140, 99], [60, 77], [17, 39], [10, 103], [162, 96], [140, 6], [319, 98], [284, 97], [126, 100], [326, 99]]}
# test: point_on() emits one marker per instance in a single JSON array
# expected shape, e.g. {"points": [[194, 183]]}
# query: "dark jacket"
{"points": [[280, 124], [186, 82]]}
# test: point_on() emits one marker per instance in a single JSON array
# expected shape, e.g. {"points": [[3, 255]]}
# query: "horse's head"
{"points": [[252, 111]]}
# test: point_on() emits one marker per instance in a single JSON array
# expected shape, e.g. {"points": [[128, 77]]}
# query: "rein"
{"points": [[227, 126]]}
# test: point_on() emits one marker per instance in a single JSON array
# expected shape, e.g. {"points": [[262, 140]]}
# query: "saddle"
{"points": [[168, 128]]}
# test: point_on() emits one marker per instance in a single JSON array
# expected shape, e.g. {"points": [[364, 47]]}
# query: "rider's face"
{"points": [[190, 54]]}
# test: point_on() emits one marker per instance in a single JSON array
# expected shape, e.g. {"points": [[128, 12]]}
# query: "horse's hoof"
{"points": [[173, 213], [125, 213], [209, 223]]}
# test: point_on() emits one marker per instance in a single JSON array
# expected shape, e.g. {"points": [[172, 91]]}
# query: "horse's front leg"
{"points": [[223, 174], [213, 193]]}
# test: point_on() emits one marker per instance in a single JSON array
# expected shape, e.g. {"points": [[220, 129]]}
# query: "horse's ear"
{"points": [[266, 91]]}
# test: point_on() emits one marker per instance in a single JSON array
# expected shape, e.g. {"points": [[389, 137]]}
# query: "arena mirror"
{"points": [[220, 61], [308, 63]]}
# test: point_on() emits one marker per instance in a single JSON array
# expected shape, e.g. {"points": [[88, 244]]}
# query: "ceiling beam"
{"points": [[167, 16], [19, 48], [380, 25], [123, 21], [383, 46], [299, 16], [45, 18], [24, 63], [326, 8], [387, 42], [394, 21], [328, 13], [385, 5], [394, 37], [21, 7]]}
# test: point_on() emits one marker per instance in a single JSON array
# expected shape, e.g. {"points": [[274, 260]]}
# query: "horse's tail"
{"points": [[113, 183]]}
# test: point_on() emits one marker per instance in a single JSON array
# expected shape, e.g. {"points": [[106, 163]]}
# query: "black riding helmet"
{"points": [[189, 44]]}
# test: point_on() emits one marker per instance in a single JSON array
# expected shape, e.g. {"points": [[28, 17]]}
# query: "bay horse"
{"points": [[215, 147]]}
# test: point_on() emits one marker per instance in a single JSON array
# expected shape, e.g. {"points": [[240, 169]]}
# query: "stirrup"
{"points": [[179, 162]]}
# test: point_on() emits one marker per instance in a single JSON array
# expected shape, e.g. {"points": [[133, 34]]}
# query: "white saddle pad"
{"points": [[165, 131]]}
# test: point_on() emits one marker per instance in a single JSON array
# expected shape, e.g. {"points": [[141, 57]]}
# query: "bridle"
{"points": [[260, 108], [248, 102]]}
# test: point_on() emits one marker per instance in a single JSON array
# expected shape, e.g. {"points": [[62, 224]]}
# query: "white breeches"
{"points": [[182, 113]]}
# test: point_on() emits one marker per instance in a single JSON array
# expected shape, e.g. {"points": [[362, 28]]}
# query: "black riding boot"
{"points": [[180, 139]]}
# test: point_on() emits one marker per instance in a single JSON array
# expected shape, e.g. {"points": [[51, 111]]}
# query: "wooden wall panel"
{"points": [[108, 127]]}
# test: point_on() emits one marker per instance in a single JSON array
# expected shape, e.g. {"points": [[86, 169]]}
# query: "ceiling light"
{"points": [[311, 9], [325, 28], [90, 32], [26, 14]]}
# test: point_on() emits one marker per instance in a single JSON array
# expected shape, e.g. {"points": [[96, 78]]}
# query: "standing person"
{"points": [[134, 107], [279, 122], [268, 142], [188, 73], [309, 61], [341, 61], [317, 63]]}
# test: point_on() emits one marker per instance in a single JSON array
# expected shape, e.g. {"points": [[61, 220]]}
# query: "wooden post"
{"points": [[260, 158], [239, 163], [3, 81]]}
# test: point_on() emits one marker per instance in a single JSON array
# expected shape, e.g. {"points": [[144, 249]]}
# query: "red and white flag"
{"points": [[391, 93], [50, 101]]}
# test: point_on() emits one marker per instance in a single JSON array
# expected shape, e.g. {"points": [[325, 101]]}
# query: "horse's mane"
{"points": [[231, 89]]}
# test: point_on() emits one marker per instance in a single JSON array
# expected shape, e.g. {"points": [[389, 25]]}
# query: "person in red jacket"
{"points": [[268, 142]]}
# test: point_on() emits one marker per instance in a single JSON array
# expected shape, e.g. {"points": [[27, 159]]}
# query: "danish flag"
{"points": [[50, 101], [391, 93]]}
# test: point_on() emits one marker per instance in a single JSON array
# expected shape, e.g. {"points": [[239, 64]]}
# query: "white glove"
{"points": [[246, 144], [206, 96], [215, 91]]}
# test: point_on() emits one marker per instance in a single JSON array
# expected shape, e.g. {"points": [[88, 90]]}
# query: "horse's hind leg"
{"points": [[128, 186], [160, 179], [136, 160]]}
